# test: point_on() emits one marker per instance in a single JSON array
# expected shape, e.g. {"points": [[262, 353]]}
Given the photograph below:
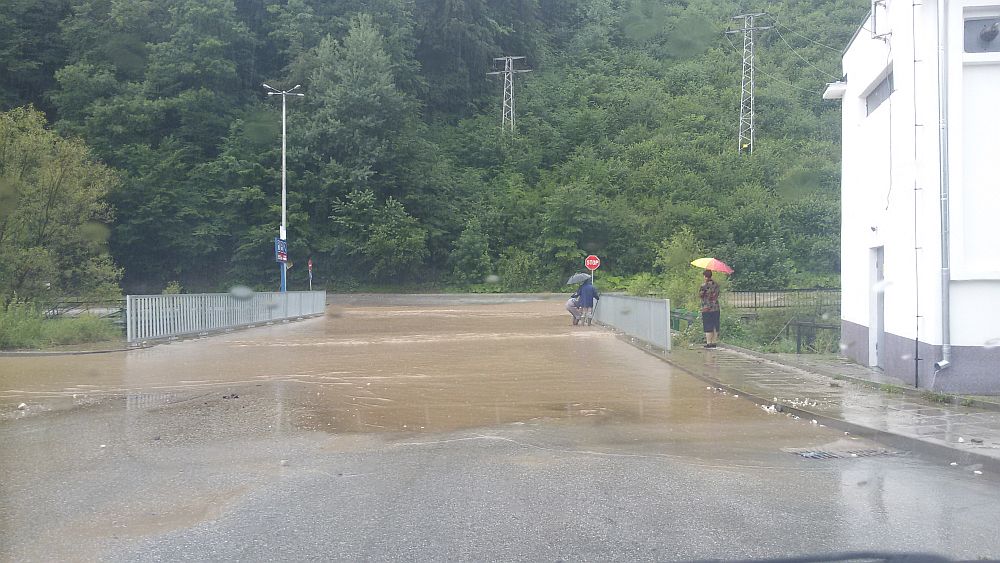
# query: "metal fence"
{"points": [[641, 317], [161, 316], [782, 298]]}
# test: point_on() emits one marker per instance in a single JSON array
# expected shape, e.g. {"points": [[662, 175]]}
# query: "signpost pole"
{"points": [[281, 256], [592, 263], [282, 228]]}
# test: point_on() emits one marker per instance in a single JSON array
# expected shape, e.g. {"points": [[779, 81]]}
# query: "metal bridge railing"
{"points": [[150, 317], [640, 317]]}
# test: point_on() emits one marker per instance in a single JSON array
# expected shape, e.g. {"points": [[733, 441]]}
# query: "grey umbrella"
{"points": [[578, 278]]}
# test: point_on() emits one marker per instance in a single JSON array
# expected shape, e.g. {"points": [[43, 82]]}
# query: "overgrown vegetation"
{"points": [[398, 172], [772, 331], [22, 326]]}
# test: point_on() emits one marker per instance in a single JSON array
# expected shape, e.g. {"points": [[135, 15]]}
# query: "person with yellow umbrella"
{"points": [[711, 312]]}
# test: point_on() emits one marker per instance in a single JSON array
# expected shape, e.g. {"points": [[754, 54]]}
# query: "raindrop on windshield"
{"points": [[881, 286], [843, 347], [492, 278], [992, 343], [241, 292]]}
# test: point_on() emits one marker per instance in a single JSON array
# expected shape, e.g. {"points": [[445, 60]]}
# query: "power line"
{"points": [[787, 83], [796, 53], [806, 37]]}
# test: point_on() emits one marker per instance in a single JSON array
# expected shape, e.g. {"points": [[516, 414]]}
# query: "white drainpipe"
{"points": [[942, 76]]}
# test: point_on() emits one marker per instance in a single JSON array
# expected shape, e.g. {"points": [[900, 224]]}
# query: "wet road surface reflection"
{"points": [[380, 429]]}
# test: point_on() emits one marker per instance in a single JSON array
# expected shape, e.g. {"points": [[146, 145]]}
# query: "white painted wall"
{"points": [[890, 178], [975, 82]]}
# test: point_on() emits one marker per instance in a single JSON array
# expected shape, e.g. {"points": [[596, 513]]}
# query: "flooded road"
{"points": [[451, 427]]}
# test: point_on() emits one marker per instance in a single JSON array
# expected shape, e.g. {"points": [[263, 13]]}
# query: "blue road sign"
{"points": [[280, 250]]}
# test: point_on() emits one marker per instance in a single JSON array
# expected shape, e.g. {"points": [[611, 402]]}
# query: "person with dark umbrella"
{"points": [[587, 295], [710, 310]]}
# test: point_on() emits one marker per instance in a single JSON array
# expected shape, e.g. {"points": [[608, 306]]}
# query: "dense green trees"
{"points": [[53, 214], [398, 172]]}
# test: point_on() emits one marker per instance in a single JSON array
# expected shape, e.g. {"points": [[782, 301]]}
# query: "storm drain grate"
{"points": [[838, 454]]}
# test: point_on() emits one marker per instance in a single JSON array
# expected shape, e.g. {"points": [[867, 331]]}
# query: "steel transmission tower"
{"points": [[747, 132], [508, 73]]}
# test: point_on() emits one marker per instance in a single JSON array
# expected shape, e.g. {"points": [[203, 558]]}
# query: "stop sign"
{"points": [[592, 262]]}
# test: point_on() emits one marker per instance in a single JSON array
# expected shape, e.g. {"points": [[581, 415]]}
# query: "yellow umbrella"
{"points": [[713, 264]]}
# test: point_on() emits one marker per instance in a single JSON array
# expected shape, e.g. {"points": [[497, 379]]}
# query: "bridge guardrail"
{"points": [[644, 318], [149, 317]]}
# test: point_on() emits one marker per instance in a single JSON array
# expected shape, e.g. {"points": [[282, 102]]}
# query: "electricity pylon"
{"points": [[508, 72], [747, 131]]}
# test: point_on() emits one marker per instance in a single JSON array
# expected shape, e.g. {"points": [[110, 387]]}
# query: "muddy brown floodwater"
{"points": [[378, 364], [386, 364], [383, 364]]}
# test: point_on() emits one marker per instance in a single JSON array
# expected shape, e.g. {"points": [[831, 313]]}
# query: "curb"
{"points": [[38, 353], [895, 441], [957, 400]]}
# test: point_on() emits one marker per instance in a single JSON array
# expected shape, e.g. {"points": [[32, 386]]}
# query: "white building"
{"points": [[921, 248]]}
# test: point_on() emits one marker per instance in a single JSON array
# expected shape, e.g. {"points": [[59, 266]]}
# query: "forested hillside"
{"points": [[398, 172]]}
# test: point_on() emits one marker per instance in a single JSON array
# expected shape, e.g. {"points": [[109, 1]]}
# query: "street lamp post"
{"points": [[282, 230]]}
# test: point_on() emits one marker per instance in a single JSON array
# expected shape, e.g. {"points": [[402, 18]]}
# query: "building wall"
{"points": [[975, 115], [891, 195], [889, 183]]}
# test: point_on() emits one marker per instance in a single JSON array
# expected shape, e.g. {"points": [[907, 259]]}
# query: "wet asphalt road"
{"points": [[440, 429]]}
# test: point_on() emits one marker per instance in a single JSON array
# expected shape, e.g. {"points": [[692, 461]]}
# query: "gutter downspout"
{"points": [[942, 76]]}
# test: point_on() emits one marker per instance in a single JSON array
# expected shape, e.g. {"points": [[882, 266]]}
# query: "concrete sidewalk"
{"points": [[966, 433]]}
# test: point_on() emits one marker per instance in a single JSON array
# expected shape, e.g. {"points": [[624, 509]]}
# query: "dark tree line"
{"points": [[398, 172]]}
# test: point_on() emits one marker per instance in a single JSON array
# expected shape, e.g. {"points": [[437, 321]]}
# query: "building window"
{"points": [[879, 94], [982, 35]]}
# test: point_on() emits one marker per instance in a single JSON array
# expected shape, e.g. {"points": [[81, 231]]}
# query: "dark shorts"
{"points": [[710, 320]]}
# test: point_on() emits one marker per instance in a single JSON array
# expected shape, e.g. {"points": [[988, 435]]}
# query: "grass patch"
{"points": [[22, 326], [889, 388], [937, 397]]}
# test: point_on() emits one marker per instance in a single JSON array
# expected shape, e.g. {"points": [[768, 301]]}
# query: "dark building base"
{"points": [[973, 370], [854, 342]]}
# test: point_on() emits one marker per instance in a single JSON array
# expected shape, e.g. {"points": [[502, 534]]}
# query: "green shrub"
{"points": [[610, 283], [643, 285], [732, 328], [520, 271], [937, 397], [20, 325], [79, 330], [173, 288], [827, 342], [470, 258], [770, 330], [23, 326]]}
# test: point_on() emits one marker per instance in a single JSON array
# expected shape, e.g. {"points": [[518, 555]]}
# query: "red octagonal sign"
{"points": [[592, 262]]}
